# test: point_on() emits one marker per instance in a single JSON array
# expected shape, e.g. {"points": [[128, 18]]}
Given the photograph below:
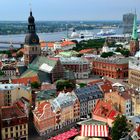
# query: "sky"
{"points": [[12, 10]]}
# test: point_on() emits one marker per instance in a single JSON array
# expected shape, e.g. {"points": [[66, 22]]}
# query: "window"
{"points": [[11, 128], [6, 129], [6, 136], [16, 127], [12, 135]]}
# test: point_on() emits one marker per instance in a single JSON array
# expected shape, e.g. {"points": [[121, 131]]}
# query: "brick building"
{"points": [[14, 123], [134, 42], [111, 67], [62, 111]]}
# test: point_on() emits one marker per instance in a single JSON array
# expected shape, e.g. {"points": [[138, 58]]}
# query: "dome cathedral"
{"points": [[31, 38]]}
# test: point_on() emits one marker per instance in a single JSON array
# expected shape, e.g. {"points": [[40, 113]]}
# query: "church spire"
{"points": [[134, 33]]}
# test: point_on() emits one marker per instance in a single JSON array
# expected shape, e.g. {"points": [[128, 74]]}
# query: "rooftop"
{"points": [[9, 86], [105, 110], [9, 112], [88, 93], [63, 100], [112, 60], [46, 95], [25, 80]]}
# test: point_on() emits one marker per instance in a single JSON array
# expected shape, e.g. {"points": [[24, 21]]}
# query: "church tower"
{"points": [[134, 43], [32, 46]]}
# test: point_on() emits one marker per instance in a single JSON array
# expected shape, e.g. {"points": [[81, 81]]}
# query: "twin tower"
{"points": [[32, 46]]}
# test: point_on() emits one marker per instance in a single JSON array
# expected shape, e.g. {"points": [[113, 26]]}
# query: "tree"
{"points": [[64, 84], [35, 85], [107, 54], [120, 127]]}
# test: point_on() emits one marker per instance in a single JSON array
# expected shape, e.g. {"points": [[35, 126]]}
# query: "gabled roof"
{"points": [[8, 112], [63, 100], [29, 73], [25, 80], [38, 61], [67, 43], [88, 93], [86, 51], [105, 110]]}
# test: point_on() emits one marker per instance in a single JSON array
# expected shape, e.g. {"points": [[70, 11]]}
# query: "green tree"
{"points": [[107, 54], [64, 84], [35, 85], [1, 73], [120, 128]]}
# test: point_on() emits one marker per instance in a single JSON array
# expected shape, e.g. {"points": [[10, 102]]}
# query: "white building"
{"points": [[80, 66]]}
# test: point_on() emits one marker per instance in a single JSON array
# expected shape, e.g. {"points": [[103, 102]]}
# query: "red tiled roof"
{"points": [[105, 110], [50, 44], [43, 44], [86, 51], [67, 43], [26, 80], [11, 112]]}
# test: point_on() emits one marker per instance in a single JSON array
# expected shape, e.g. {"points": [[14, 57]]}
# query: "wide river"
{"points": [[43, 36]]}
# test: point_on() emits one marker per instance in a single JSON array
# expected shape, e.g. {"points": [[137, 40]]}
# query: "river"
{"points": [[43, 36]]}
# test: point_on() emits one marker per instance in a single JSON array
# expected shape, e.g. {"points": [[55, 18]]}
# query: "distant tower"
{"points": [[128, 23], [134, 43], [32, 45], [105, 48]]}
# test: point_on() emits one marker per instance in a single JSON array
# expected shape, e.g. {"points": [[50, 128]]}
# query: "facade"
{"points": [[121, 101], [13, 92], [9, 70], [14, 123], [111, 67], [134, 43], [80, 66], [31, 47], [134, 73], [88, 97], [64, 110], [128, 23], [135, 103]]}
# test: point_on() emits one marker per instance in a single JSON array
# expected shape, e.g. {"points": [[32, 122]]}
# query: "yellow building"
{"points": [[13, 92], [14, 123], [134, 73], [135, 103]]}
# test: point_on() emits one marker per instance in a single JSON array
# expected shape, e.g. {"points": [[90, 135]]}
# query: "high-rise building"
{"points": [[134, 43], [128, 23], [32, 45]]}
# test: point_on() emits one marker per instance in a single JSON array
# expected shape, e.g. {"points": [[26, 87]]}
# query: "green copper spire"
{"points": [[134, 33]]}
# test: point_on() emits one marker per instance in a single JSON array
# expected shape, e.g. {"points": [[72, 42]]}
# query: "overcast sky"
{"points": [[68, 9]]}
